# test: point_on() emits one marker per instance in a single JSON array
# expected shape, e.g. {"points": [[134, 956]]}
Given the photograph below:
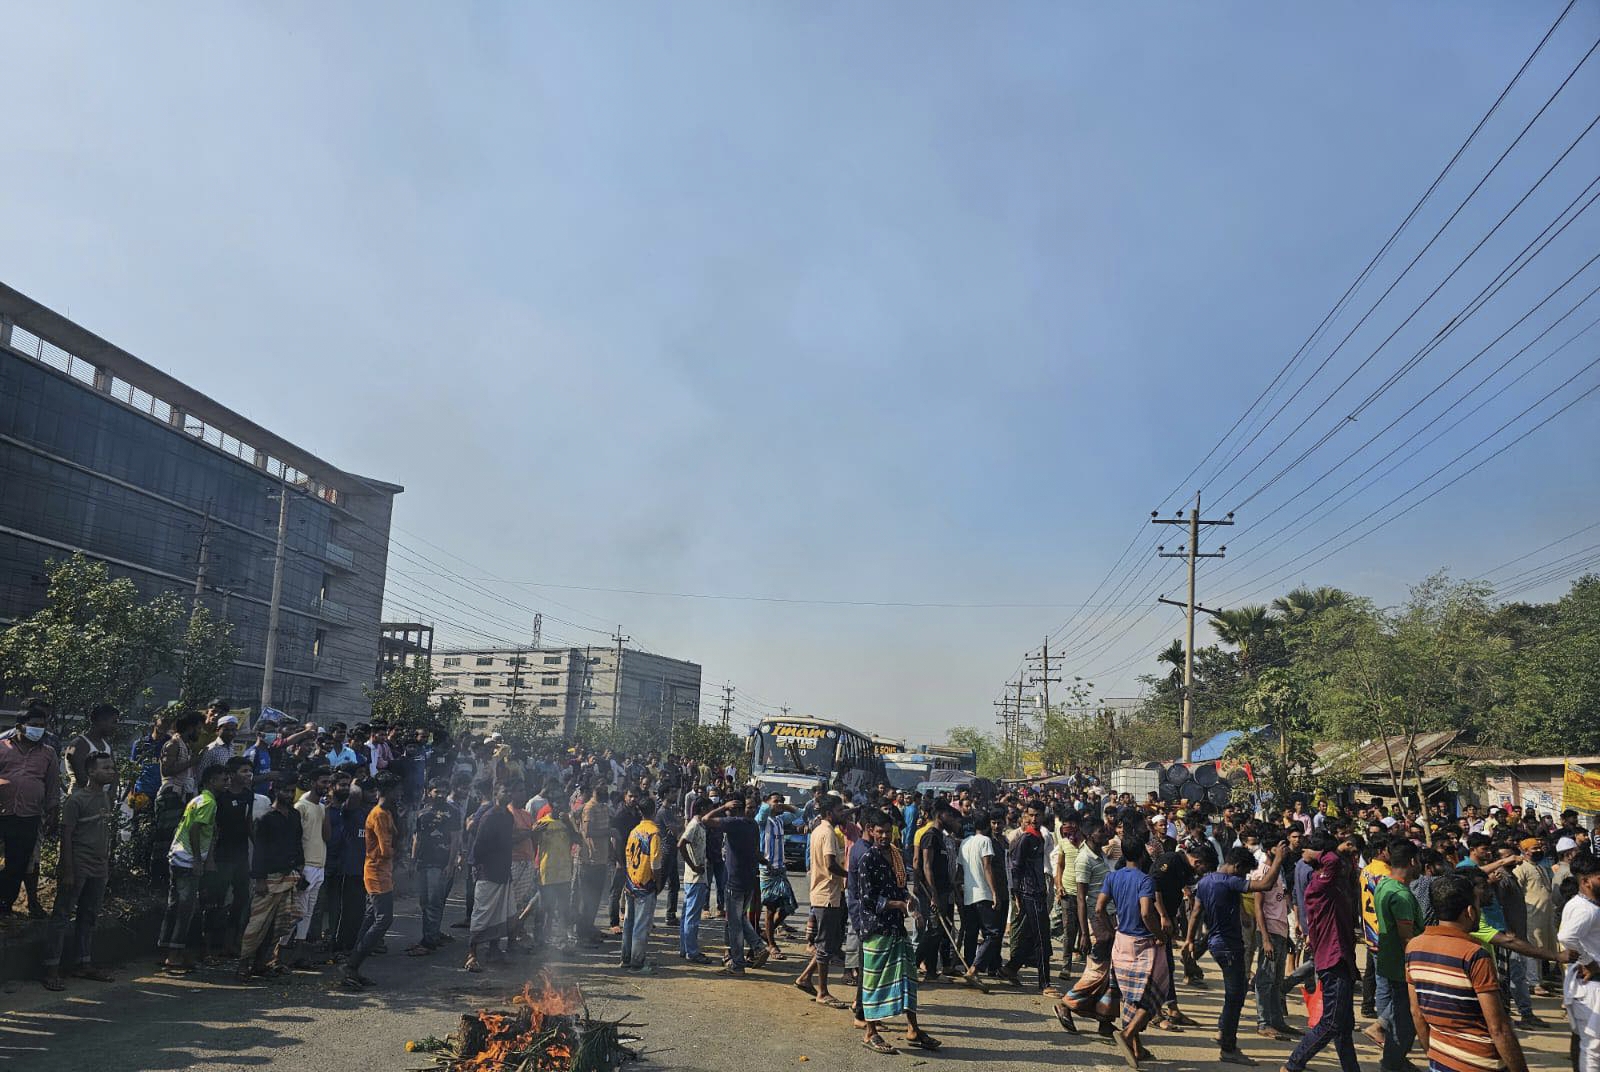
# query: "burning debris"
{"points": [[547, 1029]]}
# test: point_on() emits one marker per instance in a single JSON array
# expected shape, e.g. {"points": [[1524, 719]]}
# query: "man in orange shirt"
{"points": [[378, 877]]}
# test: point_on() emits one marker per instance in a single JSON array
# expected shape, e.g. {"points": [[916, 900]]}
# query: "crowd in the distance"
{"points": [[279, 848]]}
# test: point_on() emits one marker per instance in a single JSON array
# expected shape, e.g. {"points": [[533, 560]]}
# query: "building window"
{"points": [[485, 660], [452, 660], [550, 681], [449, 681], [516, 660], [548, 701], [482, 682], [480, 701]]}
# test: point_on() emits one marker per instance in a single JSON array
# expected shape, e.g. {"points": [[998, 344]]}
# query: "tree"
{"points": [[528, 731], [708, 743], [1249, 629], [1303, 604], [992, 759], [1393, 676], [1551, 682], [404, 699], [94, 642], [207, 654]]}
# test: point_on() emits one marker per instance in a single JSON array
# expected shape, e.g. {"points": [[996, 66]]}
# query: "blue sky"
{"points": [[918, 303]]}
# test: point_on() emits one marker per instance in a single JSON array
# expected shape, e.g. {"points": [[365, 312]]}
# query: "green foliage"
{"points": [[709, 743], [991, 753], [94, 642], [208, 651], [404, 699], [528, 732], [1551, 683]]}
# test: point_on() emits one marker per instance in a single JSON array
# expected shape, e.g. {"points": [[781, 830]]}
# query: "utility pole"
{"points": [[202, 559], [1043, 679], [727, 703], [1192, 553], [1004, 719], [616, 692], [269, 661], [1016, 733]]}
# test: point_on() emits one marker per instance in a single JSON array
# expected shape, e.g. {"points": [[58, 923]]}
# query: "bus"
{"points": [[954, 758], [886, 746], [793, 755], [906, 770]]}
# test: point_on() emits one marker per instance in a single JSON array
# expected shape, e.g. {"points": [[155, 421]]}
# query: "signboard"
{"points": [[1033, 764], [1580, 789]]}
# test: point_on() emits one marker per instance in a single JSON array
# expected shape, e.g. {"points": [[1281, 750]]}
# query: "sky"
{"points": [[887, 326]]}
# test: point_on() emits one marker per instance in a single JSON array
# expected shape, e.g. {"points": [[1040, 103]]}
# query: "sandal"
{"points": [[832, 1002], [419, 950], [53, 982], [1064, 1018], [178, 969], [98, 975], [877, 1045], [472, 965], [923, 1041], [805, 988]]}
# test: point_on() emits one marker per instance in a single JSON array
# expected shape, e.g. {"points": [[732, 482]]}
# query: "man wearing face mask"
{"points": [[30, 796]]}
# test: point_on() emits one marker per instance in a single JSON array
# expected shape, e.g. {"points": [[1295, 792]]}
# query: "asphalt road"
{"points": [[689, 1017]]}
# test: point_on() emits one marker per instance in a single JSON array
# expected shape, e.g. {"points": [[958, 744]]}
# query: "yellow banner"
{"points": [[1032, 764], [1580, 789]]}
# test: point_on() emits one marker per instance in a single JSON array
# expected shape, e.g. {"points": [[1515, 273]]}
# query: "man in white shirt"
{"points": [[696, 875], [980, 918], [1580, 933], [314, 834]]}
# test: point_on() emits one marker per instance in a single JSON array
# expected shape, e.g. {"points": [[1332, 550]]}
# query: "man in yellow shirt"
{"points": [[1374, 872], [644, 856], [553, 838]]}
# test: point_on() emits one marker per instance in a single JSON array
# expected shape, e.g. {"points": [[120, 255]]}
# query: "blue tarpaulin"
{"points": [[1214, 748]]}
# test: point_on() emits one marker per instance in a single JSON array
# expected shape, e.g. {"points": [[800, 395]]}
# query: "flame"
{"points": [[544, 999], [549, 999]]}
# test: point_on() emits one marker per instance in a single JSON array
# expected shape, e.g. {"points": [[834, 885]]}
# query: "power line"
{"points": [[1376, 257], [1387, 291]]}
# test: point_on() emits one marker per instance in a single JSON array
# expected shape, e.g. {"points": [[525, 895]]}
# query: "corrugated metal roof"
{"points": [[1370, 758]]}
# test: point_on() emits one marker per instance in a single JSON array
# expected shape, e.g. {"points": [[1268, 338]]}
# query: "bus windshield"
{"points": [[904, 775], [797, 748]]}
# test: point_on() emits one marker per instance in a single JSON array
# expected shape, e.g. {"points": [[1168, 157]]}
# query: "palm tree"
{"points": [[1244, 628], [1302, 604], [1172, 655]]}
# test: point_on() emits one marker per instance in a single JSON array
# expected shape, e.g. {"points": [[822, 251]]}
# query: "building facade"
{"points": [[403, 644], [103, 454], [572, 685]]}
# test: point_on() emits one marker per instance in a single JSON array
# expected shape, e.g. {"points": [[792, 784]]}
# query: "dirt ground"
{"points": [[689, 1017]]}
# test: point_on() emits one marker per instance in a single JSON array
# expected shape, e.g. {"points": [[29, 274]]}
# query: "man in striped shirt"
{"points": [[1455, 997]]}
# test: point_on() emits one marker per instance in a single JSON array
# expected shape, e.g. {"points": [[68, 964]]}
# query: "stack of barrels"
{"points": [[1195, 783]]}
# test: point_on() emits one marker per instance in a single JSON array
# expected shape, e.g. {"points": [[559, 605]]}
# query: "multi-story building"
{"points": [[103, 454], [403, 644], [571, 684]]}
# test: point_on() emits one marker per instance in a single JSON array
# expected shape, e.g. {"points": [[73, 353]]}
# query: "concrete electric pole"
{"points": [[269, 661], [1192, 553], [616, 692]]}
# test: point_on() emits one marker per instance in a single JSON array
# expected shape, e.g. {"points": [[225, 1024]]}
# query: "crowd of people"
{"points": [[280, 850]]}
